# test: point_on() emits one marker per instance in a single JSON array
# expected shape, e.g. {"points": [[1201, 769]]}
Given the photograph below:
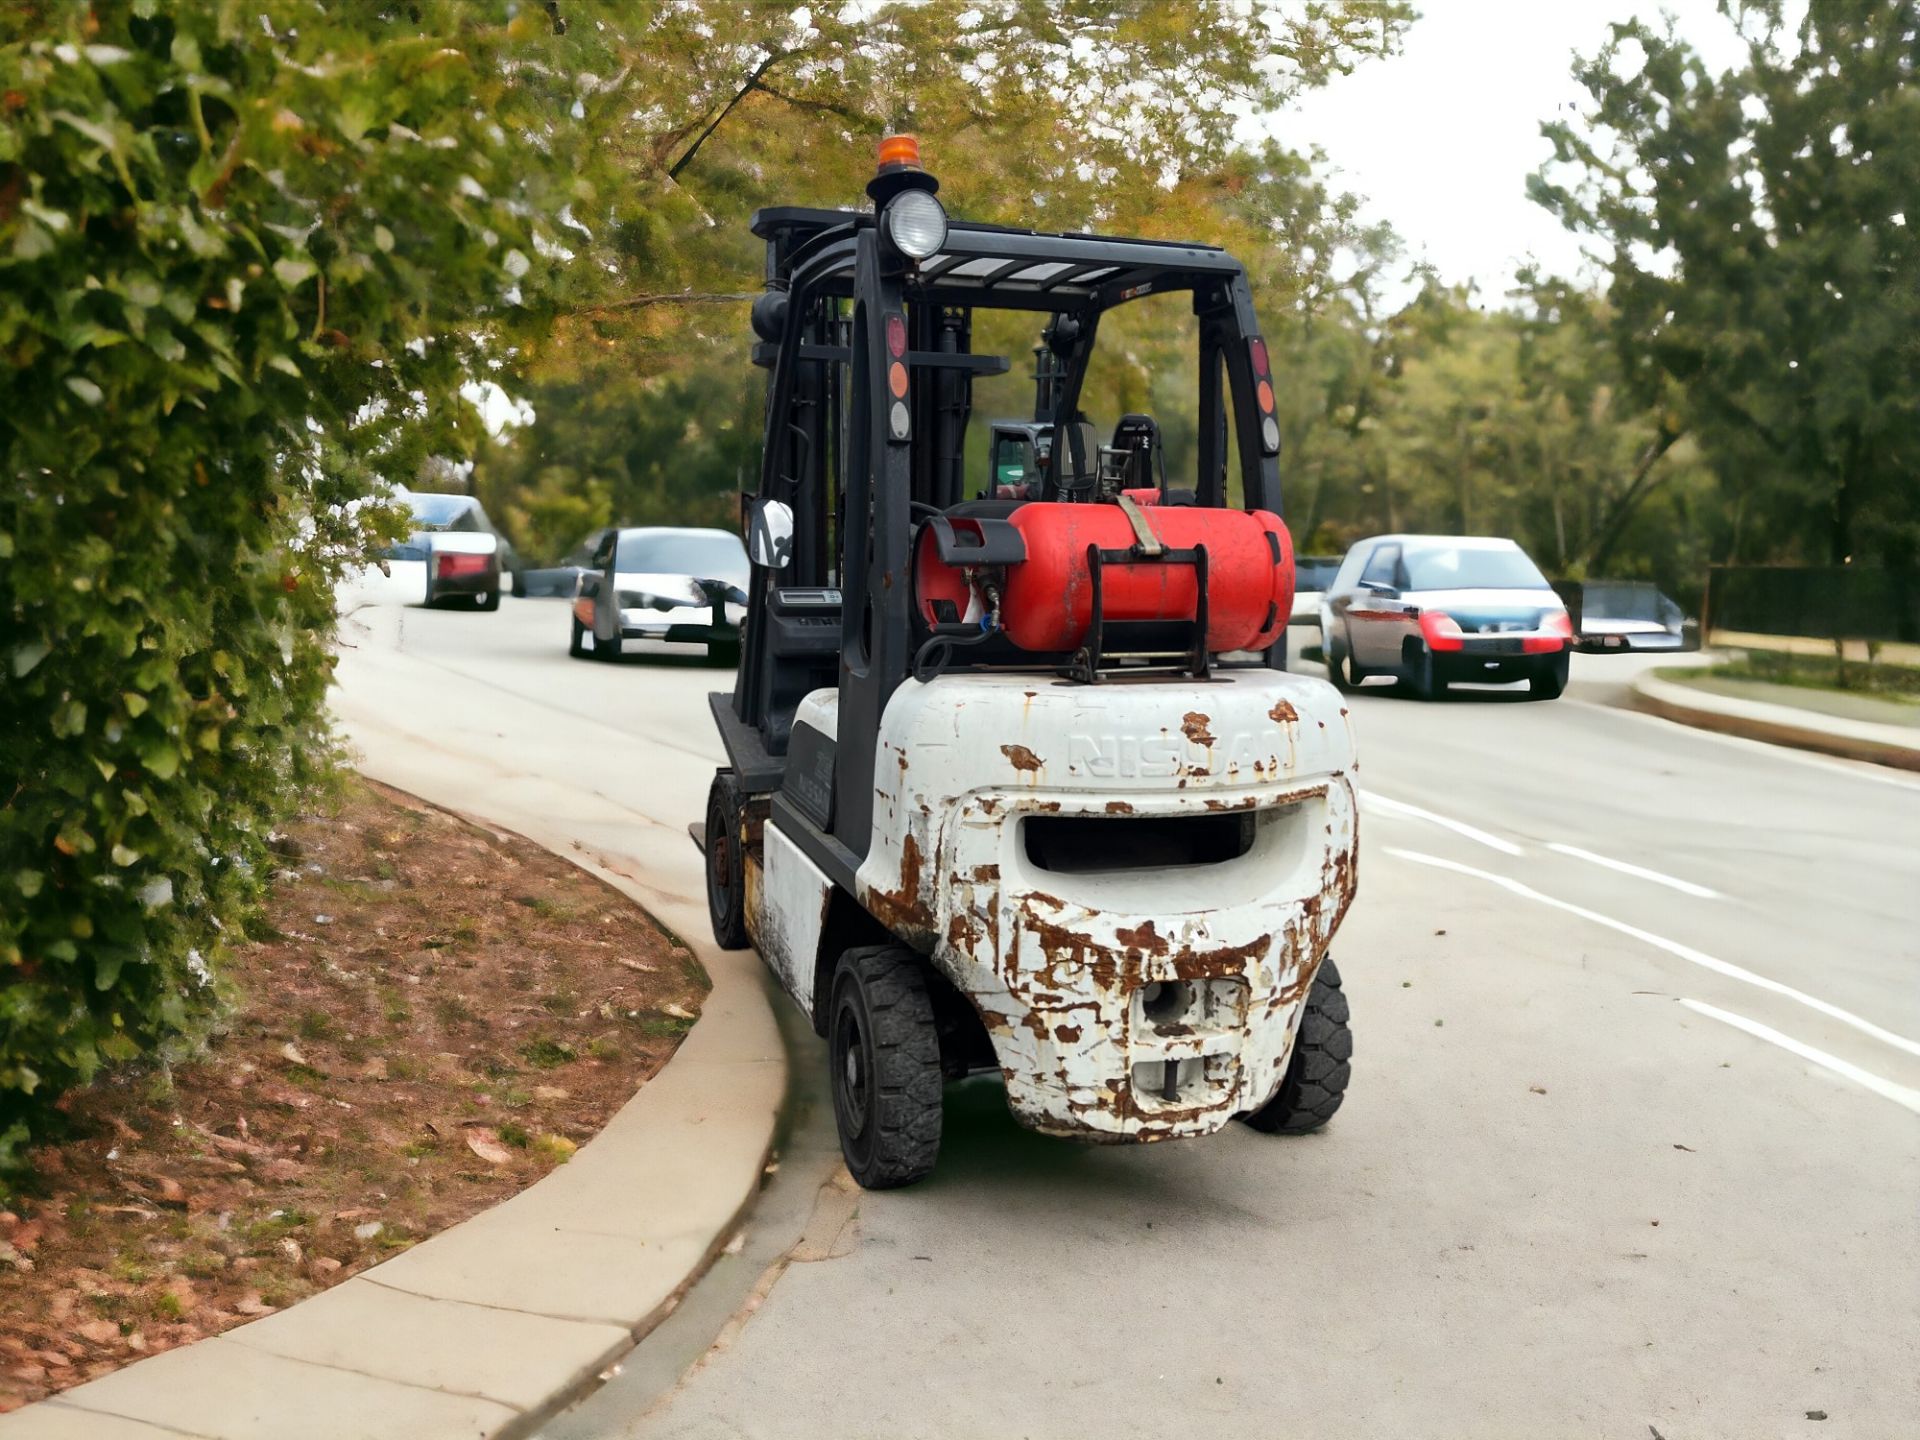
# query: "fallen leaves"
{"points": [[318, 1134], [484, 1141]]}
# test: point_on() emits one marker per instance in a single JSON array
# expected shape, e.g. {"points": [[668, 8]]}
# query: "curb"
{"points": [[492, 1327], [1778, 724]]}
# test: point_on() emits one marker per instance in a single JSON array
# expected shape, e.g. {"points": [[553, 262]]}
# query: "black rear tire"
{"points": [[577, 646], [884, 1053], [1549, 682], [608, 650], [726, 861], [724, 652], [1317, 1075], [1340, 667]]}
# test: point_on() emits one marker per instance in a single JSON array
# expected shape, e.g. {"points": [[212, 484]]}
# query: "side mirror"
{"points": [[1380, 588], [770, 534]]}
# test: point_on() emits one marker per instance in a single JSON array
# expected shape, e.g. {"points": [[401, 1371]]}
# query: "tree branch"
{"points": [[824, 106], [753, 80], [1637, 490], [641, 302]]}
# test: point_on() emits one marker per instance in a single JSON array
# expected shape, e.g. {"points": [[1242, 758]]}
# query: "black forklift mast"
{"points": [[852, 458]]}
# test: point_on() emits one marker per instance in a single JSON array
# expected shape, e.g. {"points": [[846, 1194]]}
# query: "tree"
{"points": [[249, 254], [1765, 269]]}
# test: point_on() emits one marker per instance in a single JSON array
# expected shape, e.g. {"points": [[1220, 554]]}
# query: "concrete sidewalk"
{"points": [[491, 1327], [1805, 727]]}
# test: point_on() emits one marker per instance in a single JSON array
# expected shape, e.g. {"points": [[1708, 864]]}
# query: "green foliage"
{"points": [[1765, 258], [248, 255], [647, 409]]}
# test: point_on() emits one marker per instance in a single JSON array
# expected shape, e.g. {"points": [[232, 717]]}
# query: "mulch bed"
{"points": [[435, 1017]]}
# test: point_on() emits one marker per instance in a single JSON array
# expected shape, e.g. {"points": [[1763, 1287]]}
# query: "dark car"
{"points": [[466, 558], [1431, 610], [661, 583], [563, 577]]}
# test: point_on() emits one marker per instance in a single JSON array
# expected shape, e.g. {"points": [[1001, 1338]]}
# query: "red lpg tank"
{"points": [[1048, 601]]}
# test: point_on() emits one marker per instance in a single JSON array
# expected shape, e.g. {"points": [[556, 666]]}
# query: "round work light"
{"points": [[916, 224]]}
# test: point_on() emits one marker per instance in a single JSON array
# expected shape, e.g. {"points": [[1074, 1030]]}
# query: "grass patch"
{"points": [[1817, 672], [546, 1053]]}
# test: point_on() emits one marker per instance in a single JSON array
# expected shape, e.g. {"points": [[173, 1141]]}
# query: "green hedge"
{"points": [[249, 253]]}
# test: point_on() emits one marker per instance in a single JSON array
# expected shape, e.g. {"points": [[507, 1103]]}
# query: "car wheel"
{"points": [[519, 585], [577, 646], [1340, 667], [1549, 681], [884, 1054], [724, 652], [1420, 681], [608, 650], [1317, 1075]]}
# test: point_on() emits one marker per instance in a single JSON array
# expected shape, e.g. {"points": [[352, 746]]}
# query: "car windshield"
{"points": [[1470, 567], [703, 554], [436, 512]]}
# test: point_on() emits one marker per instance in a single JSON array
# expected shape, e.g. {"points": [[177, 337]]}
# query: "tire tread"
{"points": [[1318, 1074]]}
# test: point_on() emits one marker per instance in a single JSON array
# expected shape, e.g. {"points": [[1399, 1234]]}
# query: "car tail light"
{"points": [[1442, 630], [1556, 633], [452, 567]]}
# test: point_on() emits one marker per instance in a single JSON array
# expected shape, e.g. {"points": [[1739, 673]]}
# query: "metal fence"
{"points": [[1833, 602]]}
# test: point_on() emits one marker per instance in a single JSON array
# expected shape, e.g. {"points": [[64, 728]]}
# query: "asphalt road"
{"points": [[1633, 1143]]}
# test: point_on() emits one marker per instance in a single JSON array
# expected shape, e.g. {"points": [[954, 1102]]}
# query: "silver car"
{"points": [[661, 583], [1431, 610]]}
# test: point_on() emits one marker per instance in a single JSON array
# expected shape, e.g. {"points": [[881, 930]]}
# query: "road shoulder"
{"points": [[1794, 726]]}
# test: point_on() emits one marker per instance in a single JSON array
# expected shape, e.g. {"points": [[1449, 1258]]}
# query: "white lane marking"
{"points": [[1672, 947], [1400, 807], [1685, 887], [1899, 1094]]}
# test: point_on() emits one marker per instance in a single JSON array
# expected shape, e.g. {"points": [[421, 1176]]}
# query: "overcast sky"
{"points": [[1440, 139]]}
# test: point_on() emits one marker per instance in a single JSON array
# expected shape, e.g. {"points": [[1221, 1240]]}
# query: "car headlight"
{"points": [[916, 224]]}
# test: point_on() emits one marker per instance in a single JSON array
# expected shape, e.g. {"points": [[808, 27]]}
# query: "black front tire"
{"points": [[1421, 682], [608, 650], [724, 652], [727, 861], [884, 1052], [1317, 1075], [1549, 682]]}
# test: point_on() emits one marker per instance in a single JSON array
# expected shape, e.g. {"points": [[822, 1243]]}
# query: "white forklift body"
{"points": [[1128, 996]]}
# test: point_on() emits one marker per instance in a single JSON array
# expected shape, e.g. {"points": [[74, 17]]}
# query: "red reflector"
{"points": [[1441, 630], [897, 380], [448, 567], [1556, 633], [1265, 396], [896, 336], [1260, 367]]}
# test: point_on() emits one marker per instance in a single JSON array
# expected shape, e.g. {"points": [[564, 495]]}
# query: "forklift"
{"points": [[1017, 779]]}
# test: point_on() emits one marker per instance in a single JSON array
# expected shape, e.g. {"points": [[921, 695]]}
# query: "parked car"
{"points": [[1312, 574], [1432, 610], [661, 583], [562, 578], [466, 559], [1614, 616]]}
